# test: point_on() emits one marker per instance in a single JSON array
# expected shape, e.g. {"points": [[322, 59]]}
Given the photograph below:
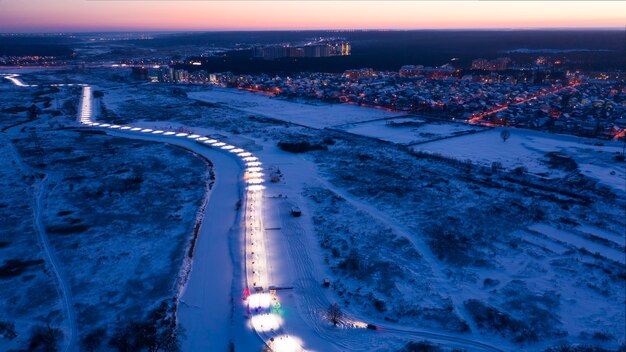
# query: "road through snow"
{"points": [[208, 306], [206, 303]]}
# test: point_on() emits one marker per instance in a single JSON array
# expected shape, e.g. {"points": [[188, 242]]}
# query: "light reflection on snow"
{"points": [[259, 300], [266, 322], [285, 343], [253, 175]]}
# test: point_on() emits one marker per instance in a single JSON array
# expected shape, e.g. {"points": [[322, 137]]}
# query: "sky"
{"points": [[199, 15]]}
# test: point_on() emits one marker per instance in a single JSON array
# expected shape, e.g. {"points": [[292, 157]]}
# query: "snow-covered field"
{"points": [[400, 195], [422, 246], [307, 114], [580, 242], [409, 130], [528, 149], [494, 261], [116, 215], [27, 286]]}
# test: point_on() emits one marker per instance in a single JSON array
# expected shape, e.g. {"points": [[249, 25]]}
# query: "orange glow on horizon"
{"points": [[81, 15]]}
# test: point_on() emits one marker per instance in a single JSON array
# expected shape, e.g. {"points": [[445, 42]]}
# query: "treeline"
{"points": [[157, 332]]}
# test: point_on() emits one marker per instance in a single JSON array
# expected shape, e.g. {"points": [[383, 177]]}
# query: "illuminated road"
{"points": [[205, 304], [205, 308], [478, 119], [203, 312]]}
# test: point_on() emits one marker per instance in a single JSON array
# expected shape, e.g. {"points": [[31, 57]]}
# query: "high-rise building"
{"points": [[274, 52], [499, 64], [480, 64], [295, 52], [181, 76], [346, 49]]}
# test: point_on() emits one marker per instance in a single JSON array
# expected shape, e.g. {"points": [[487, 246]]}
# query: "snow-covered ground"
{"points": [[576, 241], [206, 309], [391, 232], [369, 195], [100, 214], [528, 149], [409, 130], [307, 114], [28, 286]]}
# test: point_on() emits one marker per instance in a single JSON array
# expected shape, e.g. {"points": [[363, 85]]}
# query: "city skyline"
{"points": [[85, 16]]}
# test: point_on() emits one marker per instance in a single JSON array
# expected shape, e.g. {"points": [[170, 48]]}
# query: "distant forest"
{"points": [[388, 50], [381, 50], [35, 45]]}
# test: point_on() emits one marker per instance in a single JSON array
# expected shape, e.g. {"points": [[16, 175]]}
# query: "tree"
{"points": [[505, 134], [121, 340], [92, 340], [44, 339], [334, 313], [496, 167], [7, 330]]}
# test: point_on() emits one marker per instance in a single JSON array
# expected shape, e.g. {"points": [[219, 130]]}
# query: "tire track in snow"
{"points": [[53, 260], [313, 302]]}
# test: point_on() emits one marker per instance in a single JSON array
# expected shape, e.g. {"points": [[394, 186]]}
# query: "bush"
{"points": [[422, 346], [334, 314], [15, 267], [300, 147], [44, 339], [448, 243], [490, 318], [92, 340], [379, 305], [354, 265], [576, 348], [562, 162], [7, 330], [520, 171], [158, 332]]}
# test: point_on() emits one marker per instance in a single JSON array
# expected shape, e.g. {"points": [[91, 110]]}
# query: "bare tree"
{"points": [[505, 134], [334, 313], [92, 340], [496, 167], [121, 340], [44, 339]]}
